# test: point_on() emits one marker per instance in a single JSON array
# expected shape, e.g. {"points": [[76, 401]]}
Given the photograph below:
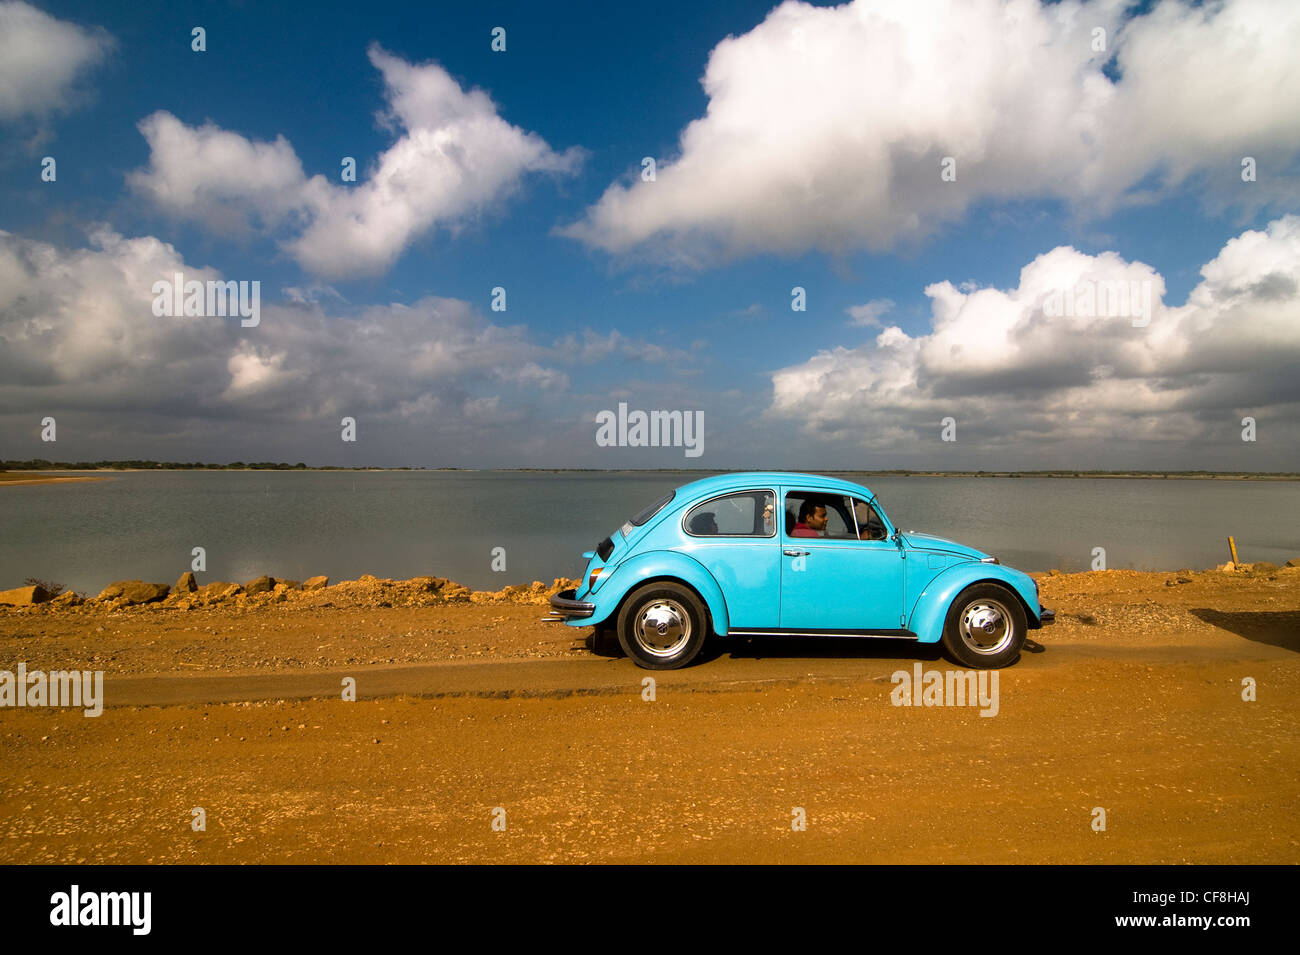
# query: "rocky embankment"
{"points": [[188, 594], [369, 591]]}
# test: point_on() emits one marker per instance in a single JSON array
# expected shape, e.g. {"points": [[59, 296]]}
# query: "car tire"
{"points": [[985, 628], [662, 626]]}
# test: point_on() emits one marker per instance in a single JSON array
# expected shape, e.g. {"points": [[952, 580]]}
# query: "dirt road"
{"points": [[1134, 706]]}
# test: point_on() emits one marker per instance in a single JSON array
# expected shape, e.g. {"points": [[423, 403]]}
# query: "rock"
{"points": [[125, 593], [315, 583], [290, 584], [24, 596], [455, 593], [186, 584], [218, 590], [69, 598], [1293, 562], [259, 585]]}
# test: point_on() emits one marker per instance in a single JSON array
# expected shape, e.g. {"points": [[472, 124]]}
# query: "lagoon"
{"points": [[296, 524]]}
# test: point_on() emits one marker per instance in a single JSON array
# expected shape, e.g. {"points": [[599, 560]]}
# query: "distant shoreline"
{"points": [[61, 473]]}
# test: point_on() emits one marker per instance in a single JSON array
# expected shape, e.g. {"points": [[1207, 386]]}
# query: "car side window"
{"points": [[747, 514], [839, 521], [847, 518]]}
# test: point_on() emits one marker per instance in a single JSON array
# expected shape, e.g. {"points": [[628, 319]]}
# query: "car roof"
{"points": [[744, 479]]}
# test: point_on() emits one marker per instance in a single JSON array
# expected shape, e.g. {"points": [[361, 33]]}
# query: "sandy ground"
{"points": [[1132, 702], [15, 478]]}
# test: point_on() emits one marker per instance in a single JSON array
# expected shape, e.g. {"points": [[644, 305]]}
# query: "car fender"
{"points": [[930, 610], [658, 565]]}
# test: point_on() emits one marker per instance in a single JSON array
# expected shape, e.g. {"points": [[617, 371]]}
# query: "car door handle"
{"points": [[796, 553]]}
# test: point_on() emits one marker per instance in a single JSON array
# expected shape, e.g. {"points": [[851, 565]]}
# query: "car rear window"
{"points": [[646, 513]]}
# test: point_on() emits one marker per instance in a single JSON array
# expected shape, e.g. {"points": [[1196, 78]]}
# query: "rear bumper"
{"points": [[1046, 616], [565, 608]]}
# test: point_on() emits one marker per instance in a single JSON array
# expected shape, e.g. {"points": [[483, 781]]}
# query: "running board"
{"points": [[779, 632]]}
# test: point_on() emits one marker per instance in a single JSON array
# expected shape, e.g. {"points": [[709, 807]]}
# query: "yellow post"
{"points": [[1232, 546]]}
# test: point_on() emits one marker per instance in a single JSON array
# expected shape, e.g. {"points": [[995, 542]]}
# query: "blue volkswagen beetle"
{"points": [[776, 554]]}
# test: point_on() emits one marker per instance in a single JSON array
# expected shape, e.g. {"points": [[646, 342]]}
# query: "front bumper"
{"points": [[1046, 616], [564, 608]]}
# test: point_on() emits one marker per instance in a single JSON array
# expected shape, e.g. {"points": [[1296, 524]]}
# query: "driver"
{"points": [[812, 519]]}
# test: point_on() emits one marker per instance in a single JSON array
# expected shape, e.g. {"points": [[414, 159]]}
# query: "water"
{"points": [[406, 523]]}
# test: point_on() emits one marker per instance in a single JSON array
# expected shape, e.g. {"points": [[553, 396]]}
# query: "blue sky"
{"points": [[813, 163]]}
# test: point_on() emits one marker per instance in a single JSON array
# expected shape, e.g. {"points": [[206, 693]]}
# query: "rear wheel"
{"points": [[662, 626], [985, 628]]}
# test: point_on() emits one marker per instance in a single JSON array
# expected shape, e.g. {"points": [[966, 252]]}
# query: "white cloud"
{"points": [[80, 336], [219, 178], [826, 126], [41, 58], [869, 313], [594, 347], [1018, 378], [455, 158]]}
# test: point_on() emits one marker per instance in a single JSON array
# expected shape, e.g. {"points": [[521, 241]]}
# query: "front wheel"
{"points": [[985, 628], [662, 626]]}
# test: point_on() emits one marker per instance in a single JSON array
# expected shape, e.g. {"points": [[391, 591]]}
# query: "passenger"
{"points": [[812, 520], [870, 527], [704, 524]]}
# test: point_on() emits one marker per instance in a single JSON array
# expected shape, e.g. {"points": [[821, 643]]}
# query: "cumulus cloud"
{"points": [[870, 312], [219, 178], [1062, 358], [41, 59], [827, 126], [80, 337], [454, 157]]}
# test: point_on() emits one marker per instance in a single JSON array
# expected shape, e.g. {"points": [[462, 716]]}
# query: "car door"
{"points": [[835, 580], [734, 535]]}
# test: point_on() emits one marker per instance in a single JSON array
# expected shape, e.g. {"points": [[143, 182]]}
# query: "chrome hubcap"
{"points": [[986, 626], [662, 627]]}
